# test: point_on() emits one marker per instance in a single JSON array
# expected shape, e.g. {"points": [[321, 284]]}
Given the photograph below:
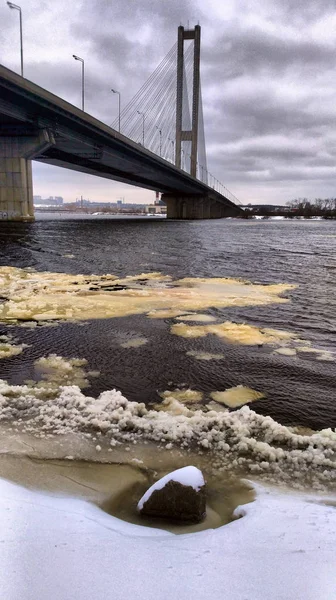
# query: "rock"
{"points": [[179, 496]]}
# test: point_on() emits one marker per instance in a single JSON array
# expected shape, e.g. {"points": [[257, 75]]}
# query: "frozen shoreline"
{"points": [[239, 440], [64, 548]]}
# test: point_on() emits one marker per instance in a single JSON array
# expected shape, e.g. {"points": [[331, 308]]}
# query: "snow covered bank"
{"points": [[242, 440], [64, 549]]}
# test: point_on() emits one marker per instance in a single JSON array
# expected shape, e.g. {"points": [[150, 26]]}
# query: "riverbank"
{"points": [[64, 548]]}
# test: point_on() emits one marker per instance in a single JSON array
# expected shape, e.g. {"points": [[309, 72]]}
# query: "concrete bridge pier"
{"points": [[197, 207], [16, 182]]}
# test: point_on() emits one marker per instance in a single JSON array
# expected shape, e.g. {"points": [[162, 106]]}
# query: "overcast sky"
{"points": [[268, 82]]}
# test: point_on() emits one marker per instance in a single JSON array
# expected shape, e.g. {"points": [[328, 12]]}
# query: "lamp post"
{"points": [[16, 7], [116, 92], [82, 61], [173, 149], [189, 155], [143, 126], [160, 133]]}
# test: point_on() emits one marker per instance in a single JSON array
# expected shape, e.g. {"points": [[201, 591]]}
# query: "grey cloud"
{"points": [[132, 14], [249, 78], [64, 80], [240, 51], [303, 11]]}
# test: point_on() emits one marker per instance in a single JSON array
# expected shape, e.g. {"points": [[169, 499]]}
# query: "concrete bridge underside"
{"points": [[37, 125], [197, 207]]}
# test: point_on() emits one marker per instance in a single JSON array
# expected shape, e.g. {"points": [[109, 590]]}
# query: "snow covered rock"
{"points": [[178, 496]]}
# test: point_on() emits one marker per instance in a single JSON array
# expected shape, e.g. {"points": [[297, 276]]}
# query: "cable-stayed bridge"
{"points": [[157, 141]]}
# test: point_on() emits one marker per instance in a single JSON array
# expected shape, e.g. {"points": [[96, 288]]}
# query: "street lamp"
{"points": [[143, 126], [189, 156], [116, 92], [16, 7], [82, 61], [173, 149], [182, 161], [160, 133]]}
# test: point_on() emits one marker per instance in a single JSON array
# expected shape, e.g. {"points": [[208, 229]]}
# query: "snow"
{"points": [[190, 476], [238, 440], [64, 549]]}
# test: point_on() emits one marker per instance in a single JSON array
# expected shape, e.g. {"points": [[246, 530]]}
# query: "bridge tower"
{"points": [[190, 135]]}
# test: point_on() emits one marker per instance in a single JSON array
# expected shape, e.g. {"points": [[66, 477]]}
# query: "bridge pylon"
{"points": [[16, 183], [191, 135]]}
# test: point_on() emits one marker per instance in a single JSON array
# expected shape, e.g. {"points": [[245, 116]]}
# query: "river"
{"points": [[145, 357]]}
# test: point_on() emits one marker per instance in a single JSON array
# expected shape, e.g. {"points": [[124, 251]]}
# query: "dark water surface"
{"points": [[299, 389]]}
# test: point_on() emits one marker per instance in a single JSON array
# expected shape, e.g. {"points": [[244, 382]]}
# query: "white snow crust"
{"points": [[190, 476], [65, 549]]}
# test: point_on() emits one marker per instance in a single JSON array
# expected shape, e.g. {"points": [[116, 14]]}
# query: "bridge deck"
{"points": [[85, 144]]}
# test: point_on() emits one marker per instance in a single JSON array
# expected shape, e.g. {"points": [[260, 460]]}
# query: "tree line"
{"points": [[320, 207]]}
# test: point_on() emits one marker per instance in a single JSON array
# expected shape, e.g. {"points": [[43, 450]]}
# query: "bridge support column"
{"points": [[16, 182], [198, 207]]}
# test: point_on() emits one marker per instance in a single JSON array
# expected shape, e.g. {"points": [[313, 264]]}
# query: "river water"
{"points": [[298, 388]]}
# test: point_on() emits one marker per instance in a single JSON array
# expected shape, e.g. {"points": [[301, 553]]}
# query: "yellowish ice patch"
{"points": [[279, 334], [322, 355], [8, 350], [307, 349], [56, 371], [170, 313], [174, 401], [241, 333], [326, 356], [9, 347], [33, 296], [134, 343], [286, 351], [236, 396], [197, 318], [185, 396], [173, 407], [286, 343], [205, 355]]}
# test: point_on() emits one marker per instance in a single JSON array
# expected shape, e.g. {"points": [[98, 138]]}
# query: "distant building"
{"points": [[156, 209], [51, 201]]}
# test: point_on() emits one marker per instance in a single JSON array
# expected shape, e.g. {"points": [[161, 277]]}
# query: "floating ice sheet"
{"points": [[236, 396], [36, 296], [9, 348]]}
